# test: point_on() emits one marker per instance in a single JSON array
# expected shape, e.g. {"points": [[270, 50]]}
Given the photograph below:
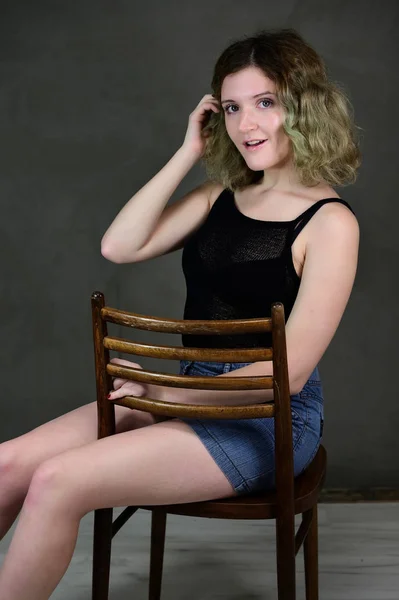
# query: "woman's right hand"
{"points": [[195, 139]]}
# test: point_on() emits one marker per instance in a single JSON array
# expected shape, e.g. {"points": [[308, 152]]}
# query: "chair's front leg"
{"points": [[285, 534], [101, 553], [158, 528]]}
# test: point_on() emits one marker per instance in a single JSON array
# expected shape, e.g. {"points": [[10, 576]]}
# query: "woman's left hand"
{"points": [[127, 387]]}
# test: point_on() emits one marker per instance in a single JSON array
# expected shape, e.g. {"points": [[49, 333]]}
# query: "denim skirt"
{"points": [[244, 448]]}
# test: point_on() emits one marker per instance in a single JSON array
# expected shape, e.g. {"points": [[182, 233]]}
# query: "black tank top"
{"points": [[235, 267]]}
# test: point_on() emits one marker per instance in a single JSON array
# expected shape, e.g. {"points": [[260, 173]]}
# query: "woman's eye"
{"points": [[226, 109], [267, 100]]}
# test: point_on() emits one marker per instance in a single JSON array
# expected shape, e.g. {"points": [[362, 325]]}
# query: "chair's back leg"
{"points": [[285, 545], [310, 554], [101, 553], [158, 528]]}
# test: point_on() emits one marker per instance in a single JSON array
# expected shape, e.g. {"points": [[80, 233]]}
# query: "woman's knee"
{"points": [[47, 478], [52, 488], [8, 459], [17, 464], [14, 471]]}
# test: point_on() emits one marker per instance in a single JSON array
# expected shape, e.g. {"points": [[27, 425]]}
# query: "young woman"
{"points": [[267, 225]]}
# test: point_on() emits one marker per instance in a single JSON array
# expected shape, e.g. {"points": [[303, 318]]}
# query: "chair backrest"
{"points": [[279, 409]]}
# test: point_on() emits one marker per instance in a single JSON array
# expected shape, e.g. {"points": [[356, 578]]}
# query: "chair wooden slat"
{"points": [[198, 411], [186, 326], [181, 353], [255, 382]]}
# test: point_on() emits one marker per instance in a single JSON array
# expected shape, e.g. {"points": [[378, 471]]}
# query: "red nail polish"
{"points": [[109, 396]]}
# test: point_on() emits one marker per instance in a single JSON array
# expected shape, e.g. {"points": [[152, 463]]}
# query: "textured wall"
{"points": [[94, 99]]}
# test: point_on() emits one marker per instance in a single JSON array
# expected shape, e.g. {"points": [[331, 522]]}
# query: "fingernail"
{"points": [[109, 396]]}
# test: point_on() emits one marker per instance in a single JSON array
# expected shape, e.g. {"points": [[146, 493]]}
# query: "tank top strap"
{"points": [[304, 218]]}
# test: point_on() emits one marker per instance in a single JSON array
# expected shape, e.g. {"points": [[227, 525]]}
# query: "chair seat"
{"points": [[258, 505]]}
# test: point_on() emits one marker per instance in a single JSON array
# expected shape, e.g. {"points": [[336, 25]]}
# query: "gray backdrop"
{"points": [[95, 99]]}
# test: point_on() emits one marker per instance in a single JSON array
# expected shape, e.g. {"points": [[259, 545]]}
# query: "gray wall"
{"points": [[94, 100]]}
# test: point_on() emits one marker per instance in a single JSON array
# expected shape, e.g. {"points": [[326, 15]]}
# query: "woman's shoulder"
{"points": [[327, 202], [332, 203], [335, 216]]}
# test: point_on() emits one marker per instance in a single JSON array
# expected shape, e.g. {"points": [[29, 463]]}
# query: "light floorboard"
{"points": [[209, 559]]}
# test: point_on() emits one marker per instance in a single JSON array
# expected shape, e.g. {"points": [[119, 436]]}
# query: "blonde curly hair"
{"points": [[318, 113]]}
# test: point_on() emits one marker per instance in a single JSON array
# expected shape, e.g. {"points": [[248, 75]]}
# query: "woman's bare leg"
{"points": [[21, 456], [163, 464]]}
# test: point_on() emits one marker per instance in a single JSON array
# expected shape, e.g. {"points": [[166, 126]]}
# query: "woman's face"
{"points": [[252, 112]]}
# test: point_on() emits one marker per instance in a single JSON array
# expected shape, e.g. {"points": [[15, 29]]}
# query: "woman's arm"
{"points": [[137, 220]]}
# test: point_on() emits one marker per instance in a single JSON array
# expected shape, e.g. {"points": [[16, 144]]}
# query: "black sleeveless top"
{"points": [[235, 268]]}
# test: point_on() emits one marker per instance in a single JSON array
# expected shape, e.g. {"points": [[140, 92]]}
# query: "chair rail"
{"points": [[198, 411], [187, 326], [118, 344], [254, 382]]}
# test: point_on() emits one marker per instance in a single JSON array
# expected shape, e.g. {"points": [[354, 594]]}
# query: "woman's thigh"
{"points": [[162, 464], [71, 430]]}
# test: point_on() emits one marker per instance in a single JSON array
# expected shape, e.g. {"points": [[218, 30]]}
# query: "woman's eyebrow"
{"points": [[256, 96]]}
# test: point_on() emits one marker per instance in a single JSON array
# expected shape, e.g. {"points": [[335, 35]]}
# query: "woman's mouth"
{"points": [[255, 145]]}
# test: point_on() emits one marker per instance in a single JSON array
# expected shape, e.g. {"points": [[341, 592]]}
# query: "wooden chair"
{"points": [[290, 497]]}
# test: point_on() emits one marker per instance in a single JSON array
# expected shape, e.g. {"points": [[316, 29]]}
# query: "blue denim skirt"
{"points": [[244, 448]]}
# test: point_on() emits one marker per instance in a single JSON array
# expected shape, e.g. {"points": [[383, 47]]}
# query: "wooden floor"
{"points": [[207, 559]]}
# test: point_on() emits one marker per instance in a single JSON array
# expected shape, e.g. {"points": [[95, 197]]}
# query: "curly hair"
{"points": [[318, 114]]}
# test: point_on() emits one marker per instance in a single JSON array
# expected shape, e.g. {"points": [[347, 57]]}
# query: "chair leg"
{"points": [[310, 553], [285, 543], [158, 528], [101, 553]]}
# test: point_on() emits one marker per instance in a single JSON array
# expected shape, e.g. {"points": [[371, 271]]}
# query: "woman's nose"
{"points": [[246, 123]]}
